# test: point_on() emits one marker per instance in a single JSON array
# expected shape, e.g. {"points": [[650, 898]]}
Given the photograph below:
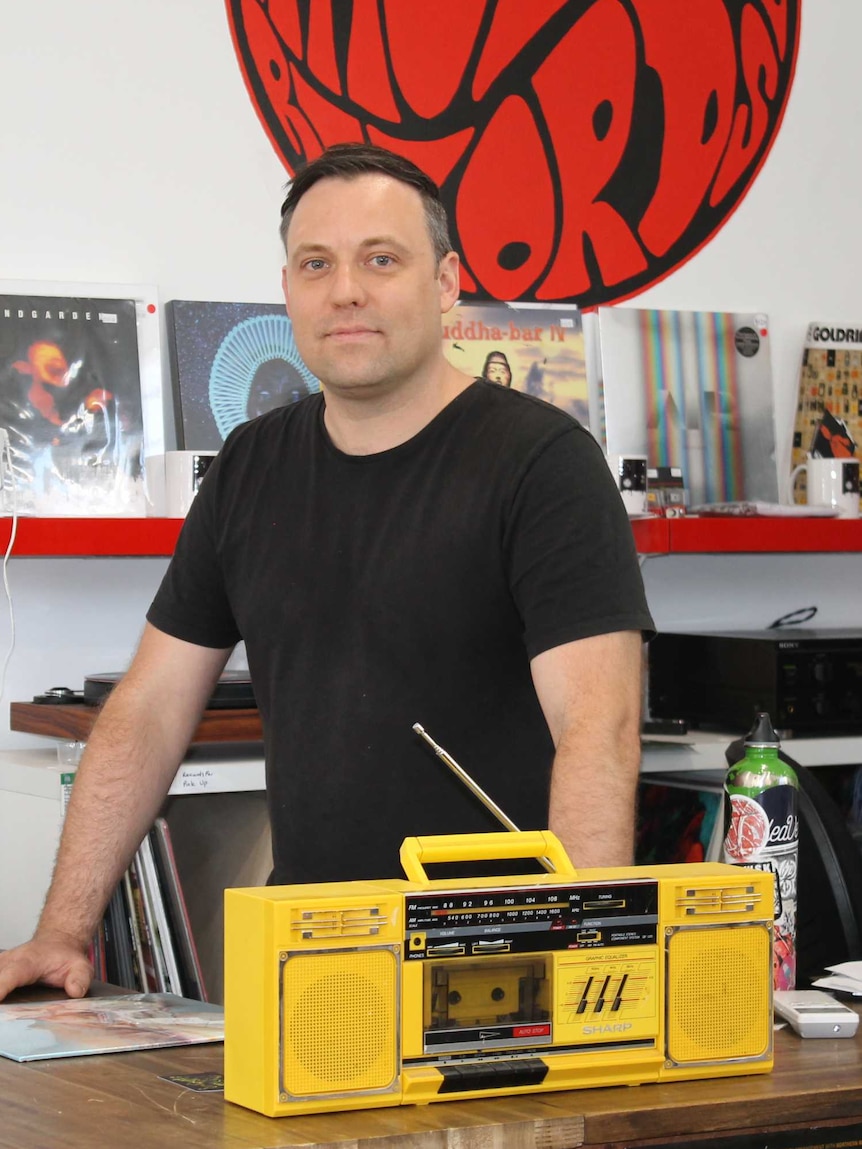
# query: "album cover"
{"points": [[535, 349], [691, 389], [829, 401], [191, 974], [229, 363], [73, 1027], [679, 821], [70, 400]]}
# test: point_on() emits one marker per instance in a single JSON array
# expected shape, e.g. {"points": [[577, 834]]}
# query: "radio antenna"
{"points": [[476, 789], [471, 785]]}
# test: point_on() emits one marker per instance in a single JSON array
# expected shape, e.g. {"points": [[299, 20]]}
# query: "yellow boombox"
{"points": [[365, 994]]}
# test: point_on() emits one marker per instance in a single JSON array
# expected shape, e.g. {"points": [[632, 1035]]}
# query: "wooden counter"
{"points": [[120, 1100]]}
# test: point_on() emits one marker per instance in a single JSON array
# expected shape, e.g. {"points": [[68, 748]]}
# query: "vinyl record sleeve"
{"points": [[830, 379], [70, 400], [692, 389], [678, 821], [167, 968], [118, 943], [131, 910], [73, 1027], [178, 917], [530, 348], [229, 363], [147, 959], [145, 881]]}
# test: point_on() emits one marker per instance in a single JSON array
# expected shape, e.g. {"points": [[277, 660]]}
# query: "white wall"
{"points": [[72, 617], [131, 154], [792, 247]]}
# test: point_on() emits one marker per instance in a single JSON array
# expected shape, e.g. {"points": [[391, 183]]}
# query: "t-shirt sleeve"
{"points": [[192, 602], [573, 565]]}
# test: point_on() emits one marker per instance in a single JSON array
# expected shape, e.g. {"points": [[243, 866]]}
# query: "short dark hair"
{"points": [[347, 161]]}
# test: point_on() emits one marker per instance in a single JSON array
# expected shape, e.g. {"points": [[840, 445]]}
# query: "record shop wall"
{"points": [[132, 154]]}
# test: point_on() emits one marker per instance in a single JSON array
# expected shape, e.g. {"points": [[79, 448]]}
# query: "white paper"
{"points": [[852, 969], [842, 984], [755, 508]]}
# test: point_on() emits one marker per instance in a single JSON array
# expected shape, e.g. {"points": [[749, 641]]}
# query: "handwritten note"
{"points": [[196, 779]]}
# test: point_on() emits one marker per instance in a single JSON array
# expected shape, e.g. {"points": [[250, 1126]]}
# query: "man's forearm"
{"points": [[124, 776], [590, 693], [593, 798], [132, 754]]}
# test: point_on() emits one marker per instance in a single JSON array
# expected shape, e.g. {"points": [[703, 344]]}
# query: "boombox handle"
{"points": [[416, 853]]}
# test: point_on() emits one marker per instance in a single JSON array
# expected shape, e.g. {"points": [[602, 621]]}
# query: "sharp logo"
{"points": [[615, 1027]]}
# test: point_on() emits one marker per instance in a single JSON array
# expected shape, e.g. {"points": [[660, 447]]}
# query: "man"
{"points": [[409, 546]]}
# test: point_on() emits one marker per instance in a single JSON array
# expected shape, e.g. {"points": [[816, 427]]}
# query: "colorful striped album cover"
{"points": [[691, 389]]}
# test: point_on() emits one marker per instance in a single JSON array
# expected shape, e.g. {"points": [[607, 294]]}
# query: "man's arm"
{"points": [[131, 758], [590, 693]]}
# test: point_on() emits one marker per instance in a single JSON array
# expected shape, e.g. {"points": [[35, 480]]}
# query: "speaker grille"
{"points": [[719, 979], [339, 1013]]}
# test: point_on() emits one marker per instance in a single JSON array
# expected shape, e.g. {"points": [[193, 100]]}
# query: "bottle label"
{"points": [[763, 833], [759, 826]]}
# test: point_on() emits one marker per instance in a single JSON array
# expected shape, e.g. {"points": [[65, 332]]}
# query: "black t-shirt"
{"points": [[413, 585]]}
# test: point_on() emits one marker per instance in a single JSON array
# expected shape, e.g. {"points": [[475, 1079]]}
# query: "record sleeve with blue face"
{"points": [[230, 362]]}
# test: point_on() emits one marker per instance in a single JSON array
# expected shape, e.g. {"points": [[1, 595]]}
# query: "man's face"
{"points": [[362, 287]]}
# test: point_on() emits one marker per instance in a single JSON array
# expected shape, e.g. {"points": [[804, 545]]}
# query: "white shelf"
{"points": [[704, 750], [231, 768], [234, 768], [34, 773]]}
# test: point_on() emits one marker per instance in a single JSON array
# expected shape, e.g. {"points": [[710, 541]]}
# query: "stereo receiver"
{"points": [[363, 994], [808, 680]]}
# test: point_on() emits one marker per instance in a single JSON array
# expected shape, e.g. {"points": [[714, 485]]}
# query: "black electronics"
{"points": [[808, 680], [233, 690], [59, 696]]}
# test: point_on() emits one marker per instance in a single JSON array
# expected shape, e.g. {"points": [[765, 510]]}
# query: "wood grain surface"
{"points": [[120, 1100], [73, 722]]}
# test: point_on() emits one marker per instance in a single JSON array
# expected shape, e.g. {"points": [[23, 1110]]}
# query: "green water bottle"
{"points": [[762, 831]]}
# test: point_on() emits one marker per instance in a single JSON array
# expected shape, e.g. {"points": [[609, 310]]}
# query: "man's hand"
{"points": [[50, 958]]}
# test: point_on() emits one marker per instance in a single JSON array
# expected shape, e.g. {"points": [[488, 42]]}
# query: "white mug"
{"points": [[831, 483], [630, 474]]}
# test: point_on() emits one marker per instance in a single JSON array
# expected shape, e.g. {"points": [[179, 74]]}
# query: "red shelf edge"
{"points": [[652, 535], [764, 535], [86, 538], [141, 537]]}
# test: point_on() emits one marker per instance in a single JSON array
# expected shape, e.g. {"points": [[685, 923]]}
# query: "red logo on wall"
{"points": [[584, 149]]}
